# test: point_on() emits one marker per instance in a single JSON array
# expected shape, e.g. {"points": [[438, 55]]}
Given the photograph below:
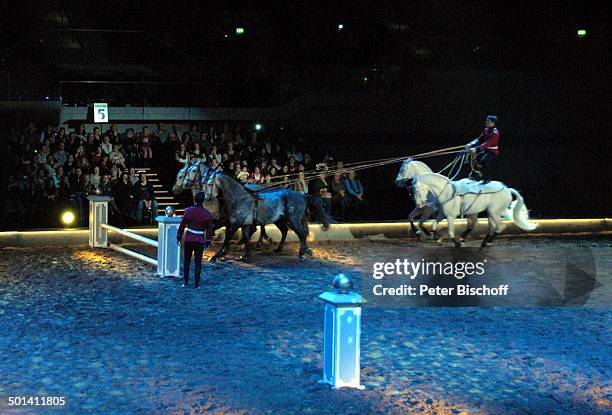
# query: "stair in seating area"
{"points": [[163, 196]]}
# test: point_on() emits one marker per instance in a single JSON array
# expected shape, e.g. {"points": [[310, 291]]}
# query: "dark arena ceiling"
{"points": [[198, 42]]}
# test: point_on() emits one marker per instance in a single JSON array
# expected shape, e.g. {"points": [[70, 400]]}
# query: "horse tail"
{"points": [[317, 205], [520, 214]]}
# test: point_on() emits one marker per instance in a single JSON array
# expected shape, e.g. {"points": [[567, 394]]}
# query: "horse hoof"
{"points": [[270, 240], [278, 251], [308, 251], [302, 258], [439, 241], [213, 259], [244, 258], [458, 244], [258, 245]]}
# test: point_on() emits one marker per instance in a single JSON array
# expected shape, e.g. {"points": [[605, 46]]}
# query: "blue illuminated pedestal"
{"points": [[341, 339], [168, 251]]}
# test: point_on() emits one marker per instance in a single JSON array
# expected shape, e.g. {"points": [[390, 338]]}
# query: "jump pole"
{"points": [[168, 251]]}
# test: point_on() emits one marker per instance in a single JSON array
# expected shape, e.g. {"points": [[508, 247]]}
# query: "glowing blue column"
{"points": [[98, 215], [342, 335], [168, 251]]}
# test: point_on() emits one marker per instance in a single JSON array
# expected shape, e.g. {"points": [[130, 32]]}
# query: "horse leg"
{"points": [[471, 224], [282, 227], [496, 226], [305, 230], [262, 229], [246, 237], [451, 231], [428, 213], [411, 218], [230, 230], [490, 233], [265, 234], [434, 229], [301, 233]]}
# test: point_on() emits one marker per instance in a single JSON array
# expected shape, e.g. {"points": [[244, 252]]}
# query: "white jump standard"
{"points": [[168, 252]]}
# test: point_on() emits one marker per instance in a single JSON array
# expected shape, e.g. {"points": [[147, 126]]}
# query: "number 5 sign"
{"points": [[100, 112]]}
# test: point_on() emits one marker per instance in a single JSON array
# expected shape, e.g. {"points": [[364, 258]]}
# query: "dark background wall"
{"points": [[555, 102], [554, 128]]}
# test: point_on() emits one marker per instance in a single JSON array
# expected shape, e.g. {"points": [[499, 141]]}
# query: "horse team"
{"points": [[239, 206]]}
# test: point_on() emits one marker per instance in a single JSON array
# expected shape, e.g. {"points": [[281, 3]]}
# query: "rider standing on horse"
{"points": [[488, 146]]}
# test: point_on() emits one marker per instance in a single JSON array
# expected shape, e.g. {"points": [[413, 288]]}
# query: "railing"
{"points": [[168, 251], [131, 235]]}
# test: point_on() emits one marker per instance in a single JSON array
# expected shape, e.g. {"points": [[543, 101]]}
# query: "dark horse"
{"points": [[195, 176], [283, 207]]}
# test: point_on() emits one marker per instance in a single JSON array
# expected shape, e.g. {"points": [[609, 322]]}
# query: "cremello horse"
{"points": [[412, 168], [464, 198], [409, 170]]}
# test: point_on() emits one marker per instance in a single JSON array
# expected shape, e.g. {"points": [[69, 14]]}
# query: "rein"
{"points": [[313, 174], [451, 196]]}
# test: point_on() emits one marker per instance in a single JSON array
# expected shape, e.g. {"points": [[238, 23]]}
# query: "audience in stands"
{"points": [[50, 169], [145, 199], [321, 187], [355, 190]]}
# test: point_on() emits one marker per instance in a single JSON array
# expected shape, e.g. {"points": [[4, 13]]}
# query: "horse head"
{"points": [[205, 172], [409, 169], [191, 175], [209, 183], [178, 183]]}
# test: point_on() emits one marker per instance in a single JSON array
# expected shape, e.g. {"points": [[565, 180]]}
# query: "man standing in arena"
{"points": [[198, 222]]}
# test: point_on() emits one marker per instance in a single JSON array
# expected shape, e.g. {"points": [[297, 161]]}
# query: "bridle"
{"points": [[209, 184], [187, 174]]}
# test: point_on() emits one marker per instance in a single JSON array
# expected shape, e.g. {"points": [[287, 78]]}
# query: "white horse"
{"points": [[431, 209], [469, 198]]}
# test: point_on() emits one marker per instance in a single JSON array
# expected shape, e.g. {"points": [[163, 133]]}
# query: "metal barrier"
{"points": [[168, 251]]}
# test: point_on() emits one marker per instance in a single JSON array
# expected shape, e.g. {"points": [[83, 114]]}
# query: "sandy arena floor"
{"points": [[102, 330]]}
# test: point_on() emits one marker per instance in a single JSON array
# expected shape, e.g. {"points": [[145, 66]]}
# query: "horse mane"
{"points": [[421, 163], [251, 192], [435, 175]]}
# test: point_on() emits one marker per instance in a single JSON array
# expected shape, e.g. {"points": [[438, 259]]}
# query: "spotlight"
{"points": [[340, 27], [581, 33], [240, 30], [257, 127], [365, 79], [68, 218]]}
